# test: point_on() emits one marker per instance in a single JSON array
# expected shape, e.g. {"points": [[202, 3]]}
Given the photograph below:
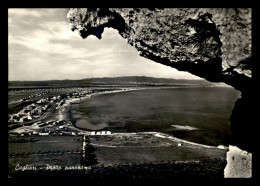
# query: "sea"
{"points": [[197, 114]]}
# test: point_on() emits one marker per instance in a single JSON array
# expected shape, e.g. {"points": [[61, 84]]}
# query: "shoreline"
{"points": [[163, 135], [157, 134], [160, 134], [67, 106]]}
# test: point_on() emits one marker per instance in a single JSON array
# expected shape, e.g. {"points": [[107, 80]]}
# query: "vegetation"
{"points": [[206, 168]]}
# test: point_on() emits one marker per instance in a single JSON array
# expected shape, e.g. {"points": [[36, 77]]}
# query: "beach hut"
{"points": [[21, 120], [43, 133], [221, 147]]}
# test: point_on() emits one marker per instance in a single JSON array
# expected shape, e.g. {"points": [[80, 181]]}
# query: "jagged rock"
{"points": [[239, 163], [212, 43]]}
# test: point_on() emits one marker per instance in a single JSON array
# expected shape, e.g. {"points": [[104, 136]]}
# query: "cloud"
{"points": [[42, 47], [24, 12]]}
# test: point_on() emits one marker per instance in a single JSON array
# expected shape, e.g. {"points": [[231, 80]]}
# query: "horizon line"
{"points": [[109, 77]]}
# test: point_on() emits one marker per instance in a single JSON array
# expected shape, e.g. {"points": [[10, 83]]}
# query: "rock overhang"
{"points": [[212, 43]]}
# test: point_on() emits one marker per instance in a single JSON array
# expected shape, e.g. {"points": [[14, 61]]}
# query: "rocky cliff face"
{"points": [[214, 44], [211, 43], [239, 163]]}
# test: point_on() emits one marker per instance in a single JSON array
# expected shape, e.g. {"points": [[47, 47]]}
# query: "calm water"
{"points": [[207, 109]]}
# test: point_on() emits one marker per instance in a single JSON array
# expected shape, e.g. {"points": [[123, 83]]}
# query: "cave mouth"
{"points": [[111, 34], [136, 24]]}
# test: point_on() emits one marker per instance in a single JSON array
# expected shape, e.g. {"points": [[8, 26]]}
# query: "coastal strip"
{"points": [[162, 135]]}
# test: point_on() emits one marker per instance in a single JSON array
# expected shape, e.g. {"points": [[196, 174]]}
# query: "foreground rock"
{"points": [[239, 163]]}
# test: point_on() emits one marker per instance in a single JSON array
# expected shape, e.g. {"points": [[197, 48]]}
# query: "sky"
{"points": [[41, 46]]}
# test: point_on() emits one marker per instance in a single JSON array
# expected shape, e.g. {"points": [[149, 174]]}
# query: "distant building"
{"points": [[222, 147], [50, 121], [101, 133], [21, 114], [21, 120], [38, 110], [29, 117], [62, 122], [43, 133]]}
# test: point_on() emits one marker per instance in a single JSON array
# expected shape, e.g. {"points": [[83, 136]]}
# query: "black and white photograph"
{"points": [[130, 93]]}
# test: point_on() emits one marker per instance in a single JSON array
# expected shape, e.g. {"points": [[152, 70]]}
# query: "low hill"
{"points": [[126, 80]]}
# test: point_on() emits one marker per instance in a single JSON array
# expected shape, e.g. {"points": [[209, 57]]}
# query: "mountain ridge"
{"points": [[123, 80]]}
